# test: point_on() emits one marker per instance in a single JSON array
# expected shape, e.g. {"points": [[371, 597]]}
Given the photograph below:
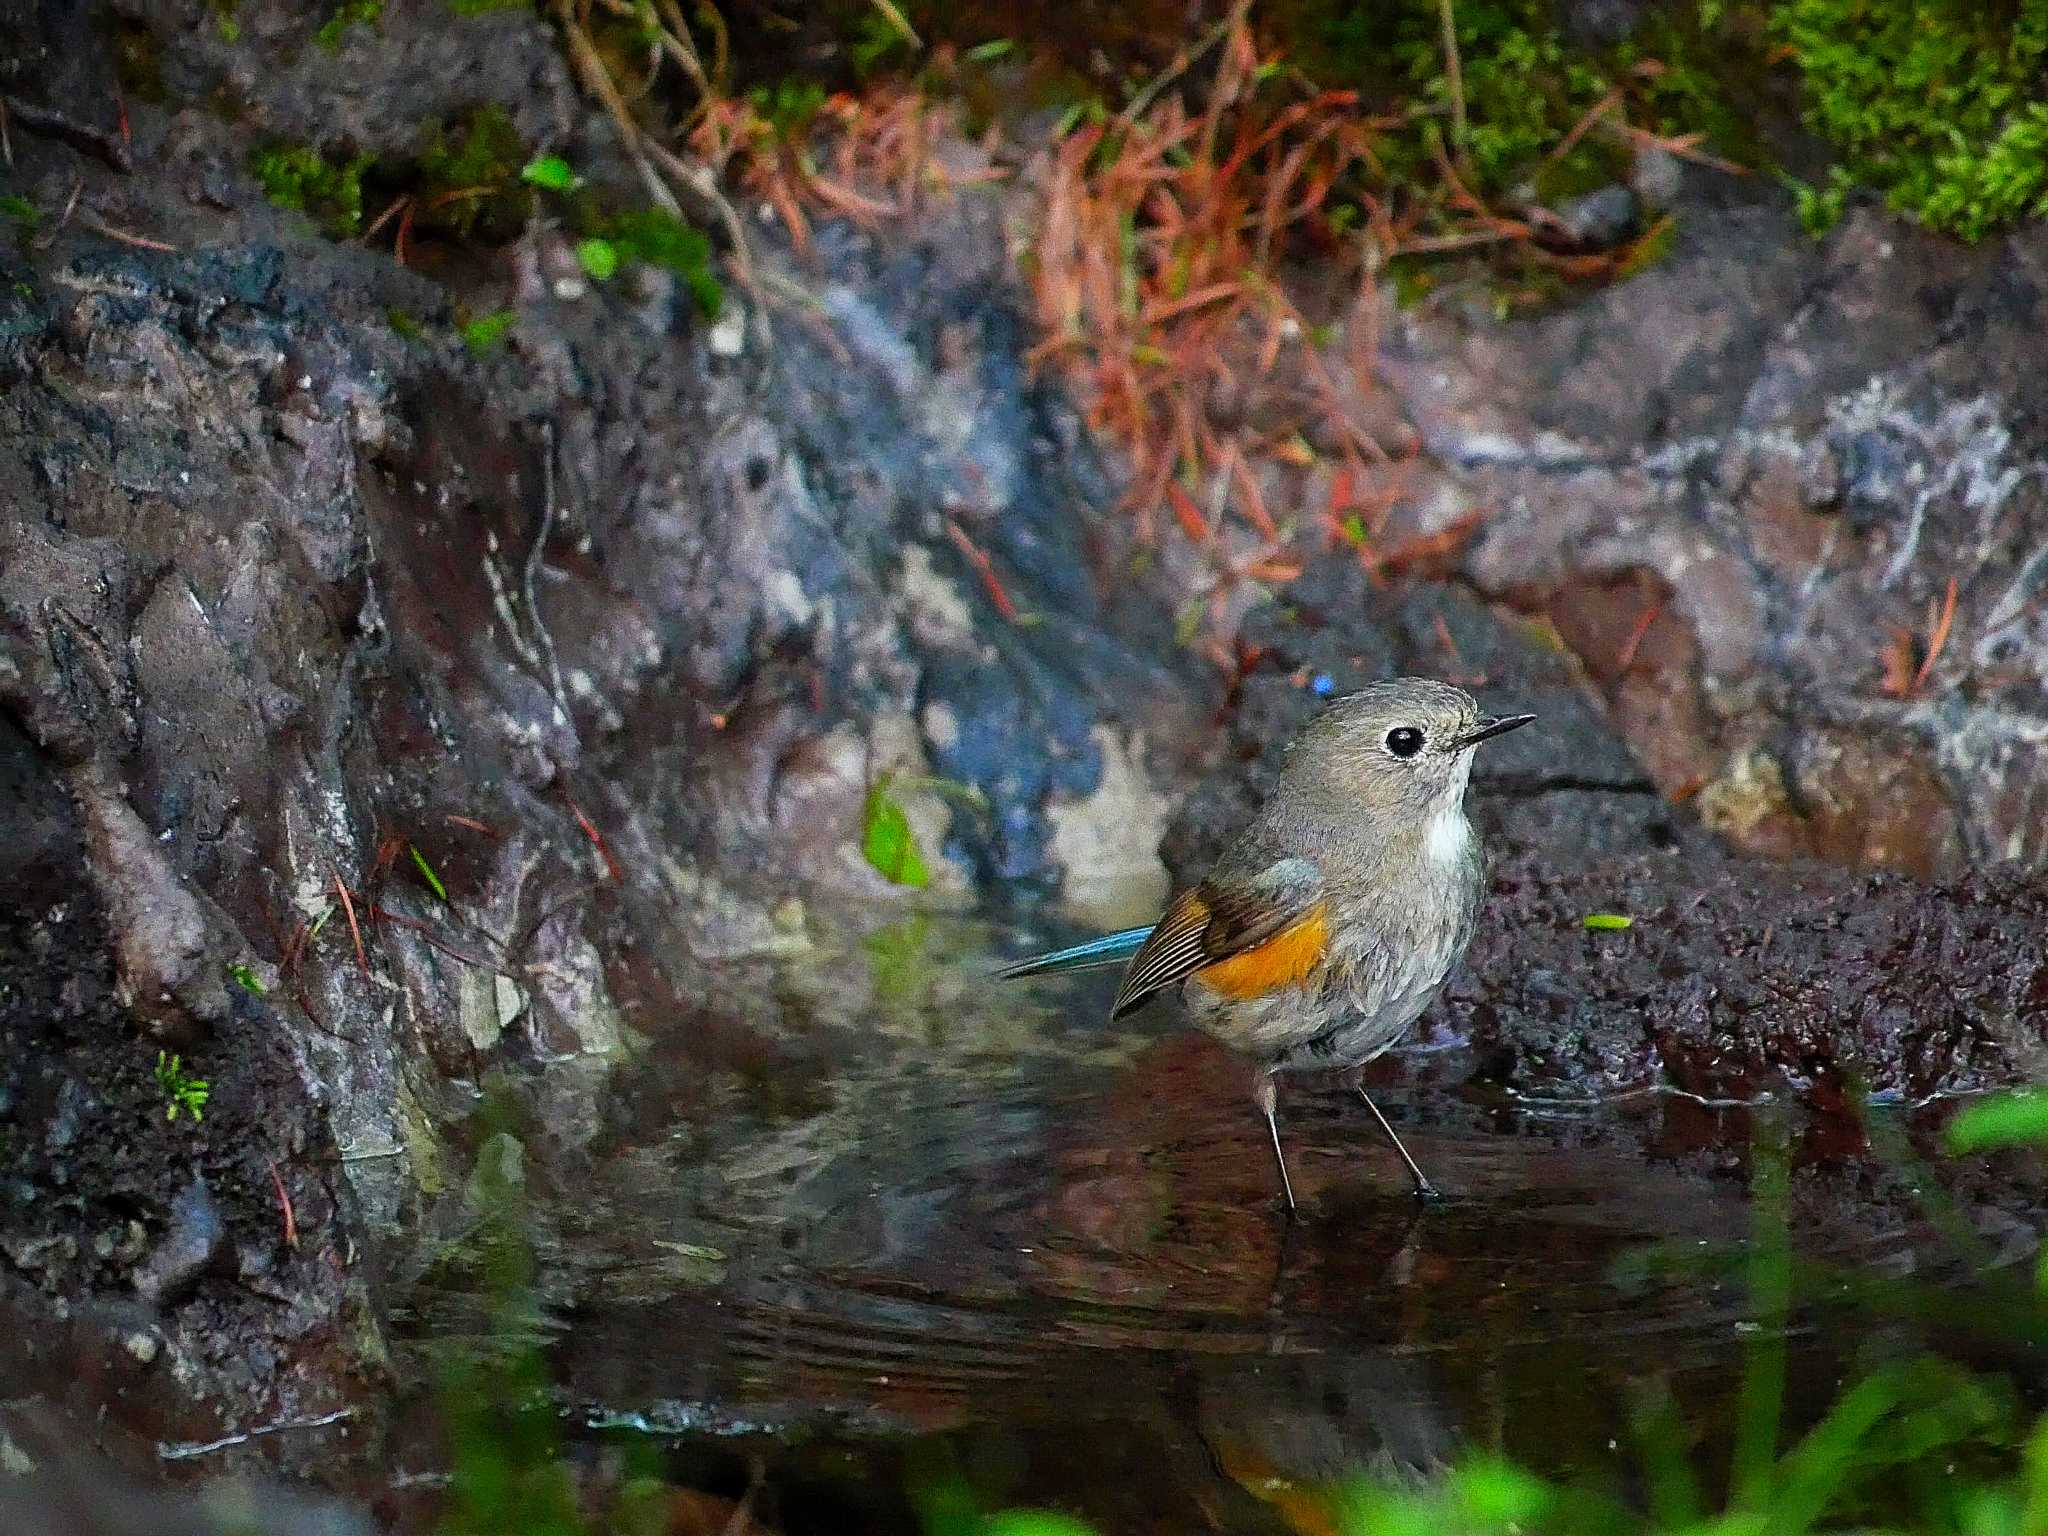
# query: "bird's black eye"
{"points": [[1404, 741]]}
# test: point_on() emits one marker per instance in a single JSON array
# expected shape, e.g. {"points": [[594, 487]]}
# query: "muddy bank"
{"points": [[389, 719], [1741, 978], [396, 728]]}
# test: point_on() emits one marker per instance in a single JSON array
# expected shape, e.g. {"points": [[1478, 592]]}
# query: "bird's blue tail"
{"points": [[1110, 949]]}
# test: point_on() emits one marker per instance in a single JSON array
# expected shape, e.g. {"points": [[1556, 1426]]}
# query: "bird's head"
{"points": [[1404, 744]]}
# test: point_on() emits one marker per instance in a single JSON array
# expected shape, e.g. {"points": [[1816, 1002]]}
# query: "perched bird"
{"points": [[1327, 926]]}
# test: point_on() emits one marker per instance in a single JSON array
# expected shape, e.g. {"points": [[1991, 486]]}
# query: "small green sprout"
{"points": [[1608, 922], [246, 978], [183, 1091], [599, 258], [427, 870], [480, 336], [551, 172], [887, 841]]}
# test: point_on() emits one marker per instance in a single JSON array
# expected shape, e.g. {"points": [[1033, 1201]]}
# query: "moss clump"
{"points": [[483, 333], [1939, 104], [1524, 87], [300, 177], [353, 13], [659, 239], [467, 180]]}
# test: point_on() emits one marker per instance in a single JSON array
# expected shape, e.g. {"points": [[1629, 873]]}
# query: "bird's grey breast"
{"points": [[1400, 928]]}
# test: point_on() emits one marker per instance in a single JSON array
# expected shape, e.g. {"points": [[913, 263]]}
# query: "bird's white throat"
{"points": [[1449, 835]]}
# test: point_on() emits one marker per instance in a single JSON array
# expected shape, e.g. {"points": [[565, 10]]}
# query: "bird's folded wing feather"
{"points": [[1226, 919]]}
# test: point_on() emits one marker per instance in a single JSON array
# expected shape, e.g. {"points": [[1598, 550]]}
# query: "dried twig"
{"points": [[984, 568], [348, 906], [590, 831], [1625, 659], [1454, 75], [284, 1206], [121, 236]]}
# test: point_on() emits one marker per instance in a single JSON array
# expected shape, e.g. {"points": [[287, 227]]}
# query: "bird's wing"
{"points": [[1245, 935]]}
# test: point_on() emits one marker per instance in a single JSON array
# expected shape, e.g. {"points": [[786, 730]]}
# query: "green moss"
{"points": [[1703, 70], [790, 107], [300, 177], [353, 13], [660, 239], [1820, 207], [481, 335], [1524, 87], [1939, 104], [467, 180]]}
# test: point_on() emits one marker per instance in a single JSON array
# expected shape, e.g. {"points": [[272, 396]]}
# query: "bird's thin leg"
{"points": [[1267, 1097], [1424, 1190]]}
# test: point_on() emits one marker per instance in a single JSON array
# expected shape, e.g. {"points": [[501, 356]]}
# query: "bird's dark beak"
{"points": [[1486, 730]]}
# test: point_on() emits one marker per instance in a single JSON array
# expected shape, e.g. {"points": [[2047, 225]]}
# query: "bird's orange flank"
{"points": [[1280, 961]]}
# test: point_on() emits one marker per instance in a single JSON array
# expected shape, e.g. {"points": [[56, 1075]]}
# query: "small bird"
{"points": [[1328, 925]]}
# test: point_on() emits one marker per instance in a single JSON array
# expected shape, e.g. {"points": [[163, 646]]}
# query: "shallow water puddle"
{"points": [[1011, 1238]]}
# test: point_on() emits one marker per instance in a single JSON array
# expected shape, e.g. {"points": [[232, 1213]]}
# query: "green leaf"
{"points": [[600, 258], [247, 980], [989, 52], [887, 841], [1496, 1494], [2008, 1120], [1608, 922], [19, 210], [427, 870], [551, 172]]}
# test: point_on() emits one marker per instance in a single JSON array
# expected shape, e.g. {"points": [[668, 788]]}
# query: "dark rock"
{"points": [[1820, 476], [187, 1249], [1602, 23], [1654, 463], [1656, 176]]}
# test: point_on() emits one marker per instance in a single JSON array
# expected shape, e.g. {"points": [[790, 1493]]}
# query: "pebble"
{"points": [[1601, 219]]}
